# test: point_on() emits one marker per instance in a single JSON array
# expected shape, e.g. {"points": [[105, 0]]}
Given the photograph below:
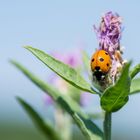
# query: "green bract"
{"points": [[135, 86], [116, 96], [135, 71]]}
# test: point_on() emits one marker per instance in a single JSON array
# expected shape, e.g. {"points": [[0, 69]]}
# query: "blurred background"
{"points": [[57, 26]]}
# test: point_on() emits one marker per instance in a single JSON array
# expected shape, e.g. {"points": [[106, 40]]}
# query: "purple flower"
{"points": [[48, 100], [109, 32], [73, 59], [85, 98]]}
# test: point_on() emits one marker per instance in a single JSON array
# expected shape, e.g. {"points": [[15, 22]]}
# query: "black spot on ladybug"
{"points": [[107, 64], [106, 53], [92, 59], [101, 59], [97, 68]]}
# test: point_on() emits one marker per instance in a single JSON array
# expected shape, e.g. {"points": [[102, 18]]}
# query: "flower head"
{"points": [[109, 35], [109, 32]]}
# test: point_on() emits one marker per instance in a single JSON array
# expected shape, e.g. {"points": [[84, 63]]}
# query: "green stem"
{"points": [[107, 126]]}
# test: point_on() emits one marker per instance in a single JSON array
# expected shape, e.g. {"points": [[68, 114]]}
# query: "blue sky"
{"points": [[56, 26]]}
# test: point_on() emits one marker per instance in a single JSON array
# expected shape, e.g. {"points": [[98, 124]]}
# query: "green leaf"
{"points": [[66, 72], [135, 86], [67, 104], [115, 97], [135, 71], [88, 128], [48, 131], [47, 88]]}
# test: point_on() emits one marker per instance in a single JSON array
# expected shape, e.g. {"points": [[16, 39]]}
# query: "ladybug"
{"points": [[100, 64]]}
